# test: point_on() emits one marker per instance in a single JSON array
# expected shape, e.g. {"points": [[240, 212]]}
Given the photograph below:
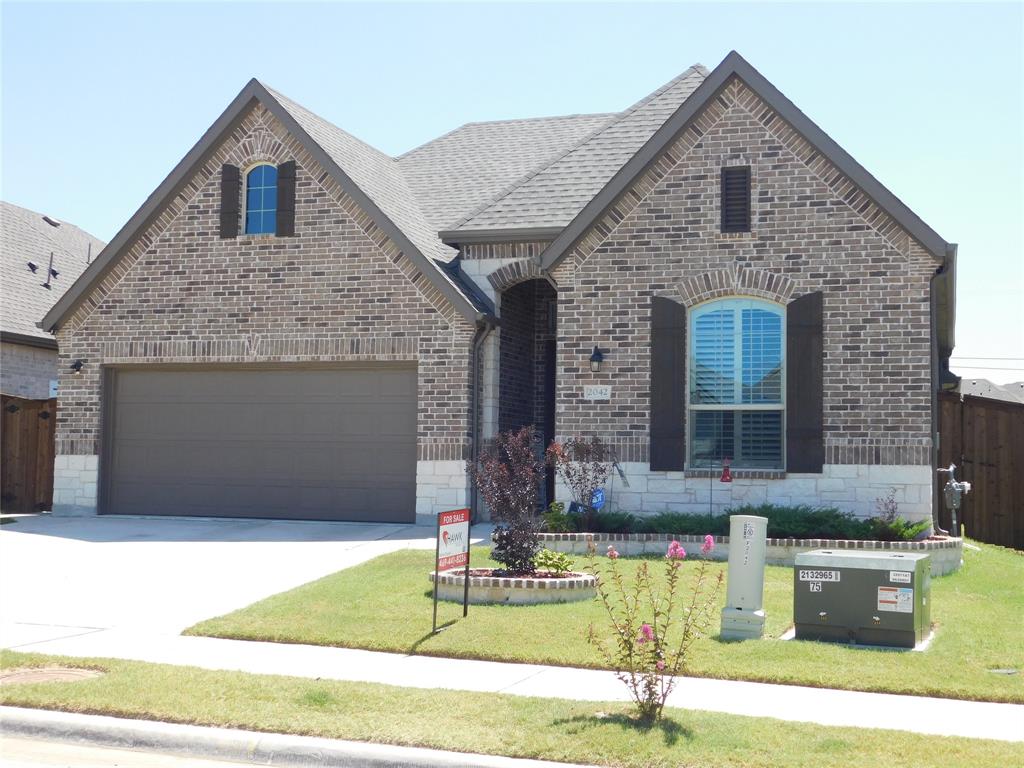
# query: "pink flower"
{"points": [[675, 551], [646, 633], [612, 554], [709, 544], [660, 666]]}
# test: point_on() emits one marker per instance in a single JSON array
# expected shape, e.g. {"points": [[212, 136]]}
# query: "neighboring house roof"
{"points": [[26, 236], [454, 175], [559, 190], [1013, 393]]}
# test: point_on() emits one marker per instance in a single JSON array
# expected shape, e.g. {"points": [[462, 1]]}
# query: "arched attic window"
{"points": [[260, 214]]}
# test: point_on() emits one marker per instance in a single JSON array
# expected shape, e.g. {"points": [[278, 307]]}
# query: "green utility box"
{"points": [[873, 598]]}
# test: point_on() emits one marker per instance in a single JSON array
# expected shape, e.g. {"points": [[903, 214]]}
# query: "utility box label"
{"points": [[809, 575], [899, 577], [896, 599]]}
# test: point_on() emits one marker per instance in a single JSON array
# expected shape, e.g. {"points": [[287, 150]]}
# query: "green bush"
{"points": [[896, 530], [801, 521], [555, 519], [688, 524], [608, 522], [555, 562]]}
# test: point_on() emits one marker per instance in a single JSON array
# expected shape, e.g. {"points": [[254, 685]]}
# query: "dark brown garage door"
{"points": [[301, 443]]}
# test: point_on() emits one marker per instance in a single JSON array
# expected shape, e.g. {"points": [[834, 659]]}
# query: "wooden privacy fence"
{"points": [[26, 453], [985, 439]]}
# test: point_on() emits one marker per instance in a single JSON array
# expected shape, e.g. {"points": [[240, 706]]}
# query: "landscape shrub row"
{"points": [[784, 522]]}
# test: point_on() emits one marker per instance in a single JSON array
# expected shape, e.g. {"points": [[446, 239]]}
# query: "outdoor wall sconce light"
{"points": [[596, 357], [77, 366]]}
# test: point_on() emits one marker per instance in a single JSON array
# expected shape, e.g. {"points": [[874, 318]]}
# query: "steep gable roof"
{"points": [[453, 175], [556, 192], [25, 236], [367, 175], [735, 65]]}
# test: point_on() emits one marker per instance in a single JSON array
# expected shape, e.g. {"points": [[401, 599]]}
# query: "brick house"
{"points": [[297, 325]]}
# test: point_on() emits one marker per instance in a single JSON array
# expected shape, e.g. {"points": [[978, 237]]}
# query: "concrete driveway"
{"points": [[63, 577]]}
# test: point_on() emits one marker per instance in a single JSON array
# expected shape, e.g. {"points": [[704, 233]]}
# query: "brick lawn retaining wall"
{"points": [[946, 554]]}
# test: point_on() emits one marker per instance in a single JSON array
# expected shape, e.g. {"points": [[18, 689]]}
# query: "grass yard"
{"points": [[551, 729], [385, 605]]}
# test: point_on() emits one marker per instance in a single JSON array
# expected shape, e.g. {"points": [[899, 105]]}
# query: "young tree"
{"points": [[508, 475], [584, 465]]}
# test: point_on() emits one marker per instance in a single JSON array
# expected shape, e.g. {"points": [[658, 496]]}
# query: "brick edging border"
{"points": [[946, 554]]}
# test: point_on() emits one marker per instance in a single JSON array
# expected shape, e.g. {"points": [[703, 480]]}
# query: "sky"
{"points": [[100, 101]]}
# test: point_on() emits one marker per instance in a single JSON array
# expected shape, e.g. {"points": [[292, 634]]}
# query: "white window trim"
{"points": [[245, 198], [691, 314]]}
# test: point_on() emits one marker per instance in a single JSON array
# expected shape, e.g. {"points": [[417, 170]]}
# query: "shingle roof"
{"points": [[555, 193], [25, 236], [455, 174], [377, 174], [1012, 393]]}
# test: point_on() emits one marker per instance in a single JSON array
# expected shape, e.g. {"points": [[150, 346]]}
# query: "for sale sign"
{"points": [[452, 539]]}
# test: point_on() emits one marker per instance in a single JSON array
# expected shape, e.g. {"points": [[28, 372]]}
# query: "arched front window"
{"points": [[736, 390], [261, 200]]}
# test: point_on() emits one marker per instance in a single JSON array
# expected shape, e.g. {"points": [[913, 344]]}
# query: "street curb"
{"points": [[240, 746]]}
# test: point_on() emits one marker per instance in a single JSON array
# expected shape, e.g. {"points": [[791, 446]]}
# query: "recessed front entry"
{"points": [[300, 443]]}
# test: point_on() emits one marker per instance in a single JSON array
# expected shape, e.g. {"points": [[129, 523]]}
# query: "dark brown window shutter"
{"points": [[805, 399], [230, 200], [668, 379], [286, 199], [736, 199]]}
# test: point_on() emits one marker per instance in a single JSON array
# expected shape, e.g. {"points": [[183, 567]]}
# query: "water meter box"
{"points": [[873, 598]]}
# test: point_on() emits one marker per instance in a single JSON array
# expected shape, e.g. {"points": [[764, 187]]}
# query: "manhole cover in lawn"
{"points": [[47, 675]]}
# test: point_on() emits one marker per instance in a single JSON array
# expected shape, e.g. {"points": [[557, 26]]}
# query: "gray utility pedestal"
{"points": [[874, 598]]}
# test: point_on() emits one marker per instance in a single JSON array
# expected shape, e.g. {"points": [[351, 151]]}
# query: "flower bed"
{"points": [[516, 590], [945, 552]]}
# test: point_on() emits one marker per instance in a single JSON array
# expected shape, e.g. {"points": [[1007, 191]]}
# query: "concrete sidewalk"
{"points": [[944, 717]]}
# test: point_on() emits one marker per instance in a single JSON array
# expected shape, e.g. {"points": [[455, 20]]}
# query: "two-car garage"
{"points": [[305, 443]]}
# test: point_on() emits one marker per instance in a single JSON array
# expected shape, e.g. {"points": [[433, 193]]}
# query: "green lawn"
{"points": [[551, 729], [385, 605]]}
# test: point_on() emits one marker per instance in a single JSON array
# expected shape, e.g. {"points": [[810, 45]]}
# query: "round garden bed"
{"points": [[485, 587]]}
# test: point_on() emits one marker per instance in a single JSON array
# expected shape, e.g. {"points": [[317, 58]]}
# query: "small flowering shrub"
{"points": [[583, 465], [557, 563], [652, 626]]}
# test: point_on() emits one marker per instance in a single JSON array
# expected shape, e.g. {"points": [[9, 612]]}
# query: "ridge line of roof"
{"points": [[458, 128], [616, 117]]}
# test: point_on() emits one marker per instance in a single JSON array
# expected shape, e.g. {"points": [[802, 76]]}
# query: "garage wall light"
{"points": [[77, 366], [596, 358]]}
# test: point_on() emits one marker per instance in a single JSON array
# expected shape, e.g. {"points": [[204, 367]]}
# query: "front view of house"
{"points": [[296, 325]]}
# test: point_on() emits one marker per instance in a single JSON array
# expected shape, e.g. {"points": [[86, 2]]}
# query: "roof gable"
{"points": [[385, 198], [736, 66]]}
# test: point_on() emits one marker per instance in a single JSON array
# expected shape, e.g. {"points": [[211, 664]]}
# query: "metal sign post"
{"points": [[452, 551]]}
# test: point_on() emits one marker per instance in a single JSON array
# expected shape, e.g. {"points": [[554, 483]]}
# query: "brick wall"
{"points": [[811, 231], [337, 291], [27, 371]]}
